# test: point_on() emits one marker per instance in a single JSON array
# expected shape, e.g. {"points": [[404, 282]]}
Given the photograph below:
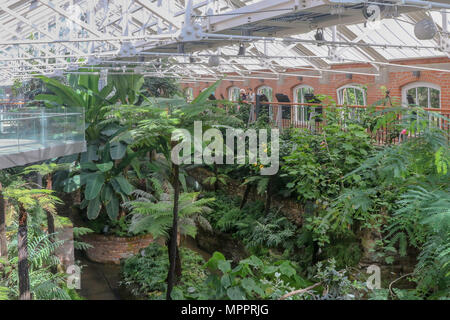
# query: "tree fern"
{"points": [[156, 217]]}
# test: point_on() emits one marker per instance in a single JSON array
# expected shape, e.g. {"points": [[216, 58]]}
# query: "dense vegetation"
{"points": [[356, 202]]}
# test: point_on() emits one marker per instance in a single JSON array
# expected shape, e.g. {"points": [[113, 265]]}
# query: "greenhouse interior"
{"points": [[263, 150]]}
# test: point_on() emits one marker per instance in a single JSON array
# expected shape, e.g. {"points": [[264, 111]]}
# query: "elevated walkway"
{"points": [[29, 135]]}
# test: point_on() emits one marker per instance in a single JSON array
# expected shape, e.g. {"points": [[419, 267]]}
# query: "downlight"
{"points": [[241, 51], [369, 11], [425, 29], [319, 35]]}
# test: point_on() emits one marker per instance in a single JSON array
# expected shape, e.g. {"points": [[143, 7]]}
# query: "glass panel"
{"points": [[435, 98], [413, 93], [267, 91], [234, 94], [29, 129], [360, 97], [422, 94], [306, 110]]}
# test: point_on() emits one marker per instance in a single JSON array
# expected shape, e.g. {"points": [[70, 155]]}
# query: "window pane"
{"points": [[435, 98], [351, 96], [360, 97], [300, 95], [422, 97], [267, 91]]}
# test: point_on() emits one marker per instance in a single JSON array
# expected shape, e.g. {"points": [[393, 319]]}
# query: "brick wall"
{"points": [[110, 249], [394, 78]]}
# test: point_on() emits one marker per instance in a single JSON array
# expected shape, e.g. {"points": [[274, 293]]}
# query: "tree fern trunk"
{"points": [[3, 244], [248, 188], [268, 196], [22, 239], [216, 183], [173, 245], [50, 218], [268, 203]]}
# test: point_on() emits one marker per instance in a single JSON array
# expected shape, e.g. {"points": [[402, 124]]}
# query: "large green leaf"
{"points": [[236, 293], [89, 81], [107, 194], [92, 152], [112, 208], [69, 96], [203, 97], [72, 184], [105, 167], [213, 263], [93, 186], [94, 208], [49, 98], [125, 186], [118, 150]]}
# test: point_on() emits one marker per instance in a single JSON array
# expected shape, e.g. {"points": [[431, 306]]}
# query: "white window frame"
{"points": [[354, 86], [189, 93], [302, 108], [270, 98], [414, 85], [230, 94], [266, 87]]}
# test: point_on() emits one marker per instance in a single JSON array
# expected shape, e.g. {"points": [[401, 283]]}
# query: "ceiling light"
{"points": [[319, 35], [242, 48], [425, 29]]}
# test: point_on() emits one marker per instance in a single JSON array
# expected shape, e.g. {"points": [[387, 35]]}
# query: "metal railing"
{"points": [[307, 116]]}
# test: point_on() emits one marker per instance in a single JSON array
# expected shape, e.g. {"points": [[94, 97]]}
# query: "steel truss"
{"points": [[178, 38]]}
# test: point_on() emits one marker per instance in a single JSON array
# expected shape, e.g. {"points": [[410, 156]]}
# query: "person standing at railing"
{"points": [[243, 96], [251, 95]]}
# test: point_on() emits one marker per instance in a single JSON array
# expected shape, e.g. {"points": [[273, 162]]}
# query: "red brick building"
{"points": [[429, 88]]}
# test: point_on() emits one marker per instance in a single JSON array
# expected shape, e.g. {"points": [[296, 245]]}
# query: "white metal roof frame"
{"points": [[55, 36]]}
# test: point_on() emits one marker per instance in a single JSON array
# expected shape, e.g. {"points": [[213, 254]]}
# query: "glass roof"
{"points": [[55, 36]]}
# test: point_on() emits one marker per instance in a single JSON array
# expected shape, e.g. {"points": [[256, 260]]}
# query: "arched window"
{"points": [[234, 93], [302, 113], [268, 91], [423, 94], [189, 94], [352, 95]]}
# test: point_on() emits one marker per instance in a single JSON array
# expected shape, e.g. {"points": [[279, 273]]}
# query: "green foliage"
{"points": [[337, 284], [156, 217], [413, 178], [423, 220], [252, 278], [146, 272], [104, 185], [160, 87], [41, 256], [79, 232], [320, 160]]}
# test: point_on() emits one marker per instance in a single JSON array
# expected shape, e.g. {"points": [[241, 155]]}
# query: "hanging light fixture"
{"points": [[242, 50], [319, 35], [425, 29]]}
